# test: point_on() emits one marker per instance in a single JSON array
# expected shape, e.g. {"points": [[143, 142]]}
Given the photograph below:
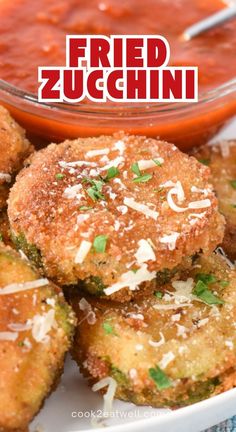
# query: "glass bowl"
{"points": [[185, 124]]}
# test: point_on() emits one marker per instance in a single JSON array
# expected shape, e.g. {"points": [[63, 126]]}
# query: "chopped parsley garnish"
{"points": [[224, 283], [111, 173], [135, 169], [140, 178], [201, 291], [158, 294], [59, 176], [1, 237], [134, 270], [160, 378], [100, 243], [233, 184], [233, 205], [108, 328], [21, 344], [94, 192], [206, 278], [204, 161], [85, 208], [143, 178], [157, 162]]}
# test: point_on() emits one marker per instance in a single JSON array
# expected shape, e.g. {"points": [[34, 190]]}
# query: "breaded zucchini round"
{"points": [[221, 158], [173, 348], [14, 149], [36, 327], [113, 211]]}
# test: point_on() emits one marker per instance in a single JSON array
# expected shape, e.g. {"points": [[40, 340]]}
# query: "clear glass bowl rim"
{"points": [[129, 110]]}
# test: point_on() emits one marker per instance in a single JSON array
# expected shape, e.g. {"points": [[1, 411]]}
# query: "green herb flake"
{"points": [[108, 328], [85, 208], [111, 173], [224, 283], [21, 344], [100, 243], [135, 169], [233, 205], [233, 184], [59, 176], [158, 294], [160, 378], [1, 237], [134, 270], [94, 192], [201, 291], [204, 161], [206, 278], [159, 190], [157, 162], [143, 178]]}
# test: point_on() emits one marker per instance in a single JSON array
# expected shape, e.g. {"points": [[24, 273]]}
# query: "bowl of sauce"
{"points": [[33, 34]]}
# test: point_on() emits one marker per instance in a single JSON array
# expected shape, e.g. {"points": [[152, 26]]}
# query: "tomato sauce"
{"points": [[32, 34]]}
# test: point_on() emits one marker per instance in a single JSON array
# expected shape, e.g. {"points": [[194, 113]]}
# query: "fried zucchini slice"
{"points": [[113, 211], [171, 349], [221, 159], [36, 327], [14, 149]]}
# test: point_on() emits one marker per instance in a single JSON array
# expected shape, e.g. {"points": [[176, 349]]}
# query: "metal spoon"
{"points": [[212, 21]]}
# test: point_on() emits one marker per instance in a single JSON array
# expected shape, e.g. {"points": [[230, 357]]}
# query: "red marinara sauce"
{"points": [[32, 34]]}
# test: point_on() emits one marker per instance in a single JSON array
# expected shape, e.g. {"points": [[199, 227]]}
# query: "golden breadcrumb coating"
{"points": [[221, 159], [14, 149], [36, 327], [171, 349], [113, 211]]}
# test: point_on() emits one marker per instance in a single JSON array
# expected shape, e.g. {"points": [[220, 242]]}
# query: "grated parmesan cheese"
{"points": [[41, 326], [195, 189], [145, 164], [159, 343], [131, 280], [109, 395], [17, 287], [135, 316], [144, 252], [199, 204], [8, 336], [142, 208], [172, 204], [72, 192], [18, 327], [170, 240], [166, 359], [120, 146], [113, 163], [90, 314], [83, 251], [74, 164], [123, 209], [5, 177], [100, 152], [221, 252]]}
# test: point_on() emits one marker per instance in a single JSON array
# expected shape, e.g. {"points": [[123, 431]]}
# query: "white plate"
{"points": [[70, 408]]}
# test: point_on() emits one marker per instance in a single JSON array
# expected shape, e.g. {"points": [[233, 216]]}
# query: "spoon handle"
{"points": [[212, 21]]}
